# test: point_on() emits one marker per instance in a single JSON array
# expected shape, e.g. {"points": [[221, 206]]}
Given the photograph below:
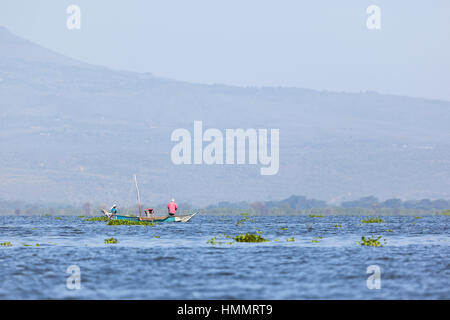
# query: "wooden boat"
{"points": [[183, 218], [150, 218]]}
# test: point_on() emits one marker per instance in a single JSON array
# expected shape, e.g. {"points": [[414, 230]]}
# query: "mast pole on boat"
{"points": [[138, 196]]}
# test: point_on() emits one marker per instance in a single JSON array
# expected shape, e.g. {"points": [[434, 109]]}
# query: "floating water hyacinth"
{"points": [[372, 220], [130, 223], [220, 236], [316, 216], [291, 239], [6, 244], [244, 220], [316, 240], [248, 237], [371, 241], [97, 219], [338, 226], [110, 241], [213, 241]]}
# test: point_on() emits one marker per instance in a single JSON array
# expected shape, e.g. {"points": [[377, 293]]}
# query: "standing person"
{"points": [[172, 206], [113, 209]]}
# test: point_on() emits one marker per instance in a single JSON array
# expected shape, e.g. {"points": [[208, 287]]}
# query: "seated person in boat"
{"points": [[172, 206], [113, 209], [148, 212]]}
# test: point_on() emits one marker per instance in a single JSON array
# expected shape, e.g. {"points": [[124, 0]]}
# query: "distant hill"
{"points": [[72, 132]]}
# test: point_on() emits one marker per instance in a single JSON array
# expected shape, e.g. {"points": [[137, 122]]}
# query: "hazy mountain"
{"points": [[75, 132]]}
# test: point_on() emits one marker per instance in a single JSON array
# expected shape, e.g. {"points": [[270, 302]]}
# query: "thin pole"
{"points": [[138, 197]]}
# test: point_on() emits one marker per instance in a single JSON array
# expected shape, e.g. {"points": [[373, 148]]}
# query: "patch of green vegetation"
{"points": [[110, 241], [316, 216], [372, 220], [221, 237], [58, 218], [338, 226], [242, 221], [37, 244], [291, 240], [130, 223], [245, 214], [26, 245], [284, 229], [315, 241], [371, 241], [81, 216], [389, 230], [6, 244], [445, 213], [97, 219], [213, 241], [417, 217], [156, 237], [248, 237]]}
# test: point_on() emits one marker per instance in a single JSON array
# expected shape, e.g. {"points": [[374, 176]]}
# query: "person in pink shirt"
{"points": [[172, 207]]}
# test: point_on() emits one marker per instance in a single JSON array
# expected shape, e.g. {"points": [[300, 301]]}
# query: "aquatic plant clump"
{"points": [[129, 223], [242, 221], [6, 244], [371, 241], [110, 241], [220, 236], [248, 237], [372, 220], [97, 219], [316, 216]]}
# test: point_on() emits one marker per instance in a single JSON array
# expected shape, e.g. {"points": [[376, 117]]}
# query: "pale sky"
{"points": [[322, 45]]}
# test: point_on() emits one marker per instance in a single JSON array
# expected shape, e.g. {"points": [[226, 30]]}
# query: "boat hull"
{"points": [[184, 218]]}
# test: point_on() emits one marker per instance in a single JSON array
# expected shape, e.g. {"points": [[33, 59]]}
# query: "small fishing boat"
{"points": [[148, 217], [183, 218]]}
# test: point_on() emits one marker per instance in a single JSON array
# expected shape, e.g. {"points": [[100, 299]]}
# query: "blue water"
{"points": [[414, 262]]}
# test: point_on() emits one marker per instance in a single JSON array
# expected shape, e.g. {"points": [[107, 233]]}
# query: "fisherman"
{"points": [[113, 209], [172, 206], [148, 212]]}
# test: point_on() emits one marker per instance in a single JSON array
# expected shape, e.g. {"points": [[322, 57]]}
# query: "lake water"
{"points": [[324, 261]]}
